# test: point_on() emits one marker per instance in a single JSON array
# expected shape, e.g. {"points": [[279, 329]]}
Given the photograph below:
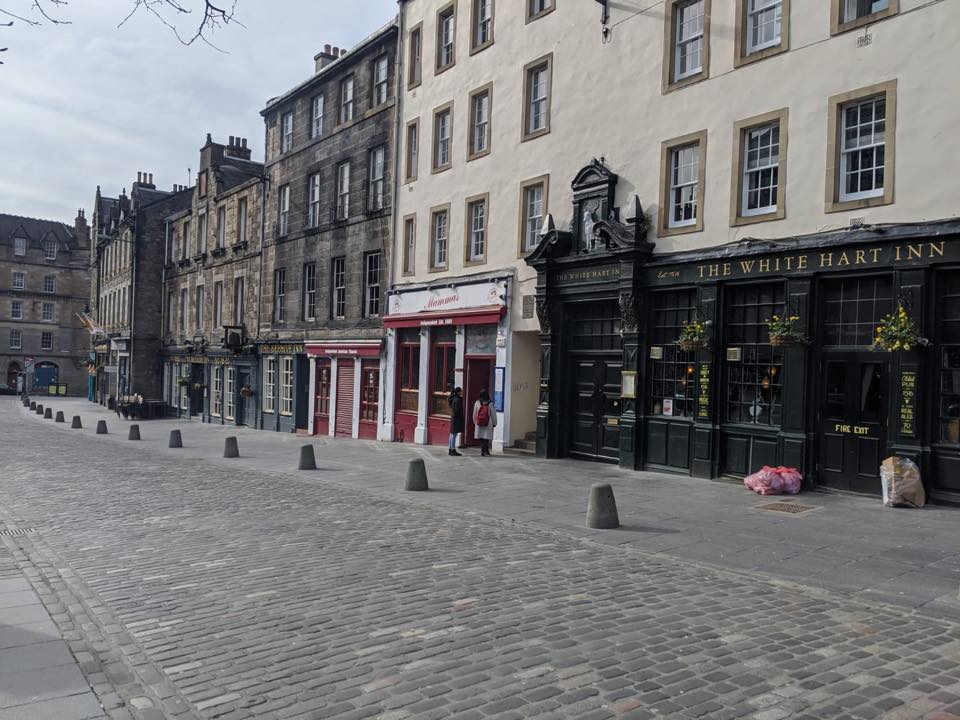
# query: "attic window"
{"points": [[19, 246], [50, 249], [202, 183]]}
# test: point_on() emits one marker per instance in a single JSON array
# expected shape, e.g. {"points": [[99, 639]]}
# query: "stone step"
{"points": [[526, 452], [527, 445], [532, 436]]}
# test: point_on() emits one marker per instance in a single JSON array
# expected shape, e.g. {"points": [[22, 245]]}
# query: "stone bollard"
{"points": [[39, 410], [26, 403], [230, 449], [76, 424], [101, 427], [308, 461], [176, 440], [133, 433], [602, 508], [59, 417], [416, 476], [48, 414], [33, 405]]}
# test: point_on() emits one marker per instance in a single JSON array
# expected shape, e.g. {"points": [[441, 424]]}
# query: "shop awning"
{"points": [[474, 316], [360, 348]]}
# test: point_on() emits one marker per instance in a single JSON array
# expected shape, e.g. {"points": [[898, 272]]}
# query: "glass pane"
{"points": [[836, 388]]}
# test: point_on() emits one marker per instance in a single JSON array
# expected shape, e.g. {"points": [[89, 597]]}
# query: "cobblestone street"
{"points": [[186, 587]]}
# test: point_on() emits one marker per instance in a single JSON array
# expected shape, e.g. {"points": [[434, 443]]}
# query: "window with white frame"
{"points": [[198, 308], [230, 392], [477, 219], [183, 311], [47, 312], [50, 249], [238, 300], [16, 310], [536, 8], [316, 115], [863, 147], [380, 80], [346, 100], [221, 227], [279, 295], [286, 132], [441, 222], [313, 206], [684, 181], [538, 99], [761, 169], [185, 248], [20, 246], [415, 70], [532, 214], [46, 341], [283, 203], [242, 220], [375, 191], [343, 191], [480, 123], [409, 244], [218, 305], [446, 35], [286, 385], [372, 284], [16, 340], [413, 149], [338, 285], [855, 9], [217, 404], [270, 385], [310, 291], [202, 233], [441, 143], [688, 40], [764, 24], [482, 23], [18, 281], [49, 283]]}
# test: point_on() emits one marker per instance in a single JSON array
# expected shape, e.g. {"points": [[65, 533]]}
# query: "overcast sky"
{"points": [[90, 103]]}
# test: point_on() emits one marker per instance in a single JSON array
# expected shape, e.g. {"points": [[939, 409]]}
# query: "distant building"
{"points": [[44, 284], [126, 267], [330, 161], [209, 299]]}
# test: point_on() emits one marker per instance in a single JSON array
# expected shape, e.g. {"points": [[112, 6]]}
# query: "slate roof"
{"points": [[35, 230], [236, 171]]}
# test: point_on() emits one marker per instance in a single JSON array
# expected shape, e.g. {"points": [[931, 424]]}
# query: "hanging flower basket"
{"points": [[784, 331], [897, 332], [183, 382], [199, 386], [694, 335], [246, 391]]}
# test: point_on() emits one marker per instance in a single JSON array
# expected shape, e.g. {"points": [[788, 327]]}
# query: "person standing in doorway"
{"points": [[484, 421], [456, 420]]}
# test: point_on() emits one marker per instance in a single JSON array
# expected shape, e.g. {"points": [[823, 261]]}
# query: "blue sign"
{"points": [[498, 376]]}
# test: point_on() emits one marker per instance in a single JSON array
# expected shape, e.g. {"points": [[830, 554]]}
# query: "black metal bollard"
{"points": [[33, 405], [59, 417], [48, 414], [76, 424], [176, 440], [416, 476], [133, 433], [39, 409], [230, 448], [308, 461], [602, 508], [101, 427]]}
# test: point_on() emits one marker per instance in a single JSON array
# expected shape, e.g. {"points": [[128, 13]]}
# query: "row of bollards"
{"points": [[601, 506]]}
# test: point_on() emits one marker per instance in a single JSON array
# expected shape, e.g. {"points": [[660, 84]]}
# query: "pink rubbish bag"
{"points": [[792, 479], [765, 481]]}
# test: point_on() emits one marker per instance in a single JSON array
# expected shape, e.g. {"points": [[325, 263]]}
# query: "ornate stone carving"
{"points": [[544, 311], [628, 312]]}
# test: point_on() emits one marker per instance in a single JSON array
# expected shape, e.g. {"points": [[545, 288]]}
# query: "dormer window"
{"points": [[20, 246], [50, 249]]}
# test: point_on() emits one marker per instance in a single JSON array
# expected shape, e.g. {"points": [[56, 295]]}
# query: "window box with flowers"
{"points": [[898, 332], [784, 332], [694, 335]]}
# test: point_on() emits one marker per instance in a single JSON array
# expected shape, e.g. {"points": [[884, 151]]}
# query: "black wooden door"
{"points": [[853, 419], [595, 417], [242, 382]]}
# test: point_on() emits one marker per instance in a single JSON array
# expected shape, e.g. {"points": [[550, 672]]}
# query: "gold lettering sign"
{"points": [[908, 392], [602, 273], [281, 349], [851, 429], [703, 399]]}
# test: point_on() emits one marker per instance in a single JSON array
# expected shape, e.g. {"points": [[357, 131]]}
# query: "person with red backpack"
{"points": [[484, 421]]}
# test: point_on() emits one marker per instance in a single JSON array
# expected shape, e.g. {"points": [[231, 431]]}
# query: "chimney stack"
{"points": [[324, 58], [238, 148], [139, 174]]}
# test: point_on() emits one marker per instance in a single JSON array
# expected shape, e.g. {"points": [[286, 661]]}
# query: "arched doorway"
{"points": [[13, 369]]}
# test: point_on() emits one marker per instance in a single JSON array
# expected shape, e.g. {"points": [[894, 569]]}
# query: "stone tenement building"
{"points": [[44, 284], [211, 288], [330, 161], [127, 272]]}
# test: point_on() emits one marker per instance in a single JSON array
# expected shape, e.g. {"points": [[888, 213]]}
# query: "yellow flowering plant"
{"points": [[694, 335], [783, 330], [897, 331]]}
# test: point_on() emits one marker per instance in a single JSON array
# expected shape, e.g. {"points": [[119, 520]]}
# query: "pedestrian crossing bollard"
{"points": [[39, 409], [602, 508], [308, 461], [416, 476], [59, 417], [230, 449], [133, 433], [48, 414], [101, 427], [176, 440], [76, 424], [33, 405]]}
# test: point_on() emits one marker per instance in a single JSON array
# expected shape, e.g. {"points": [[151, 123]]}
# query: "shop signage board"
{"points": [[703, 398], [499, 373], [440, 299], [603, 273], [281, 349], [908, 394]]}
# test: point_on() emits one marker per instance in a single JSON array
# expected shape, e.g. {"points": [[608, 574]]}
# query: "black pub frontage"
{"points": [[616, 387]]}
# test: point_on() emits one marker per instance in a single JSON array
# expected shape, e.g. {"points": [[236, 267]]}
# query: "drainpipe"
{"points": [[131, 306]]}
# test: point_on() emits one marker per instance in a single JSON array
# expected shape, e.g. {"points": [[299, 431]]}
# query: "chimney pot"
{"points": [[138, 176], [151, 179], [230, 143], [343, 52], [326, 48], [244, 143]]}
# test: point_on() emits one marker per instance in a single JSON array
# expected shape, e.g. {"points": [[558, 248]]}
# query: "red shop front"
{"points": [[345, 401]]}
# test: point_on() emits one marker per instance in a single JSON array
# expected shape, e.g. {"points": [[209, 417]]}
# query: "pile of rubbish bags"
{"points": [[901, 483], [774, 481]]}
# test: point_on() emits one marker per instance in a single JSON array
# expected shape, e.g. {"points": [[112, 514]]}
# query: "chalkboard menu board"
{"points": [[908, 395], [703, 398]]}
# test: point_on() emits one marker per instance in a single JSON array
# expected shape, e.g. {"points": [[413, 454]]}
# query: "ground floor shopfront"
{"points": [[615, 385], [456, 334], [284, 396], [345, 387], [112, 370], [220, 388]]}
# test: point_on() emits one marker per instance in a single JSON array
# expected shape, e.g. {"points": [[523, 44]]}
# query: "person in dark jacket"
{"points": [[456, 420]]}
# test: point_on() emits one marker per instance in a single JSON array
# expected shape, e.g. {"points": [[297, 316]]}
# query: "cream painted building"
{"points": [[784, 157]]}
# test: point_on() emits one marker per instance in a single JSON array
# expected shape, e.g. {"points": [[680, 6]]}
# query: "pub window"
{"points": [[949, 340], [217, 392], [230, 392], [409, 370], [673, 375], [853, 307], [369, 390], [443, 366], [270, 385], [595, 326], [755, 383], [286, 386]]}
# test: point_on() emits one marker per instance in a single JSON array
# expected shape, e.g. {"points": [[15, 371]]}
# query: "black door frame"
{"points": [[601, 421]]}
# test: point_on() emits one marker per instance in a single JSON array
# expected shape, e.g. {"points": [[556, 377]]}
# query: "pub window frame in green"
{"points": [[759, 371], [676, 368], [948, 355]]}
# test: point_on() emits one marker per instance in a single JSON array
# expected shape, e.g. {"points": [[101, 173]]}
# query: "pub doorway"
{"points": [[478, 377]]}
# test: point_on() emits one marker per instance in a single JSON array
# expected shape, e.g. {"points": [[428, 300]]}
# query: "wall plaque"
{"points": [[529, 302], [734, 354], [628, 384], [656, 353]]}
